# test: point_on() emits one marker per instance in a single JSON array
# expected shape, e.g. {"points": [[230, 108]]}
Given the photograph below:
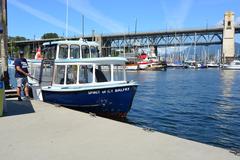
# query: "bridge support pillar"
{"points": [[228, 46]]}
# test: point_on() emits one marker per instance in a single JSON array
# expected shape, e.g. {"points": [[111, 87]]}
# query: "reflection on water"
{"points": [[201, 105], [230, 88], [227, 77]]}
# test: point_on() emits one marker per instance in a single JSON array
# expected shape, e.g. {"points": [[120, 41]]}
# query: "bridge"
{"points": [[127, 42], [187, 37], [209, 36]]}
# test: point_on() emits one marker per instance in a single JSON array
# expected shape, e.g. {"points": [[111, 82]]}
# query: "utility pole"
{"points": [[3, 42]]}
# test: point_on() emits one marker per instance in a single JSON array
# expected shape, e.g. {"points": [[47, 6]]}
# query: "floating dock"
{"points": [[37, 130]]}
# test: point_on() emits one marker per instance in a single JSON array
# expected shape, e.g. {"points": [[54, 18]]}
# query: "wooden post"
{"points": [[3, 42]]}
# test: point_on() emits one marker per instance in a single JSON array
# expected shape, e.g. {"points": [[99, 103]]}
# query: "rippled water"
{"points": [[201, 105]]}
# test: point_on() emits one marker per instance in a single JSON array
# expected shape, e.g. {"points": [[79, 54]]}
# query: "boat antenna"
{"points": [[66, 34]]}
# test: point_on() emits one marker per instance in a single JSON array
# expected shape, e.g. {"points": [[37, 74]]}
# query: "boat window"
{"points": [[85, 74], [63, 51], [49, 51], [46, 72], [71, 74], [35, 69], [118, 73], [94, 52], [103, 73], [59, 74], [74, 51], [85, 51]]}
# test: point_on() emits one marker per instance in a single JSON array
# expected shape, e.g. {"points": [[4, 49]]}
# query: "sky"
{"points": [[33, 18]]}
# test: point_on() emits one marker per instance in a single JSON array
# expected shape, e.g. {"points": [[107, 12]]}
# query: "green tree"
{"points": [[50, 36], [12, 47], [17, 38]]}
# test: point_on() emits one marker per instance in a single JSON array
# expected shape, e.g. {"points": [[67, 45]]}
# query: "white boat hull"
{"points": [[234, 65], [143, 66], [231, 67], [132, 67]]}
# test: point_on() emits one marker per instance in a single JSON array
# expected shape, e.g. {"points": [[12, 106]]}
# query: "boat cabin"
{"points": [[71, 49], [77, 63], [98, 70]]}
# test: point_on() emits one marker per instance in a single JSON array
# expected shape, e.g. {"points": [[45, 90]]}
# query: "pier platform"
{"points": [[37, 130]]}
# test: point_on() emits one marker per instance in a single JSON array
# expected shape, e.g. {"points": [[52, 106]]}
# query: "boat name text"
{"points": [[109, 91]]}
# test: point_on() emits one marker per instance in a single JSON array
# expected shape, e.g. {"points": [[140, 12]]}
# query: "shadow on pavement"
{"points": [[15, 107]]}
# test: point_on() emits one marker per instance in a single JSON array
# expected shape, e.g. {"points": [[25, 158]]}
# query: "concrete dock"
{"points": [[34, 130]]}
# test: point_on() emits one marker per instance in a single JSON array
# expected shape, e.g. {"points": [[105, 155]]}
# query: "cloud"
{"points": [[84, 7], [177, 18], [43, 16]]}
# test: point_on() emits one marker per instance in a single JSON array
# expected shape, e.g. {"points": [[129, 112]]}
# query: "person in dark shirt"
{"points": [[21, 73]]}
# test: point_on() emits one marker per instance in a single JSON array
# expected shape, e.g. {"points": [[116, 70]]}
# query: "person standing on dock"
{"points": [[21, 73]]}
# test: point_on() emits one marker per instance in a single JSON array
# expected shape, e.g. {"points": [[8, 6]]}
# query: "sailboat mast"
{"points": [[136, 26], [195, 43]]}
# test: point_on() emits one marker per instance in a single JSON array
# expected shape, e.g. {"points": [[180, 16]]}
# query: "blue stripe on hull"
{"points": [[111, 100]]}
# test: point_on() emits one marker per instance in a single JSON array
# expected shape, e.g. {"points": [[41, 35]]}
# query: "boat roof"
{"points": [[99, 60], [69, 42]]}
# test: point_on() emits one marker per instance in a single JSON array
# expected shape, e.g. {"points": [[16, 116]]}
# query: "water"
{"points": [[200, 105]]}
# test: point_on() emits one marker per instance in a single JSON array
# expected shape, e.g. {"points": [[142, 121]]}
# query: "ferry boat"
{"points": [[84, 81], [140, 62]]}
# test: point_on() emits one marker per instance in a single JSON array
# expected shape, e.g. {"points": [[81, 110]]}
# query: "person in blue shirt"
{"points": [[21, 73]]}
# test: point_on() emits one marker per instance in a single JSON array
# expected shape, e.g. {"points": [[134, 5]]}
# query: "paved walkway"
{"points": [[40, 131]]}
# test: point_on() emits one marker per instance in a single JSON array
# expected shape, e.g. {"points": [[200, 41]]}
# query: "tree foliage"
{"points": [[12, 48], [49, 36], [17, 38]]}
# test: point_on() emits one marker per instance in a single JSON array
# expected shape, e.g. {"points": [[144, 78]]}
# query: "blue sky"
{"points": [[33, 18]]}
